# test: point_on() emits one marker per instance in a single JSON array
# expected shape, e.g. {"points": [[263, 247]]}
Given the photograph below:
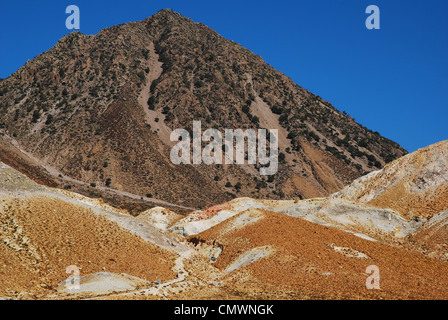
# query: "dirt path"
{"points": [[175, 286], [140, 227], [163, 289], [56, 174]]}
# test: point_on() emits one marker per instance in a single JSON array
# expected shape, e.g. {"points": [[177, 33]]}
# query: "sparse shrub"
{"points": [[36, 116], [151, 103], [198, 84], [276, 109], [371, 158], [255, 120], [49, 119], [145, 53], [142, 76], [363, 143], [94, 92], [165, 110], [154, 85], [281, 157], [169, 117]]}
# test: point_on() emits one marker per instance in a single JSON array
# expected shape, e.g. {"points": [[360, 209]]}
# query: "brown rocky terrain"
{"points": [[276, 246], [310, 261], [42, 234], [98, 110], [304, 260], [86, 180], [243, 249], [415, 185]]}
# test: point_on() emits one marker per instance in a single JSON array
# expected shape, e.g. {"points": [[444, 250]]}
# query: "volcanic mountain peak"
{"points": [[100, 109]]}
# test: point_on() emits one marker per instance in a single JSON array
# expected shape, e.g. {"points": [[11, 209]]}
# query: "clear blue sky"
{"points": [[393, 80]]}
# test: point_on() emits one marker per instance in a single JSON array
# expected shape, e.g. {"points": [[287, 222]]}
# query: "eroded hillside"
{"points": [[243, 249], [99, 109]]}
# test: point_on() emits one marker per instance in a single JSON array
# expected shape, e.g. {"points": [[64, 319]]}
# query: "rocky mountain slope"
{"points": [[274, 255], [405, 198], [243, 249], [415, 185], [96, 111], [43, 231], [252, 239]]}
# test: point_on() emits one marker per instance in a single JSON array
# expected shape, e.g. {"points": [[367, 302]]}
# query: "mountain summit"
{"points": [[96, 113]]}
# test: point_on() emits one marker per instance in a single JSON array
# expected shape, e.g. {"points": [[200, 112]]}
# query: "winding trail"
{"points": [[164, 288]]}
